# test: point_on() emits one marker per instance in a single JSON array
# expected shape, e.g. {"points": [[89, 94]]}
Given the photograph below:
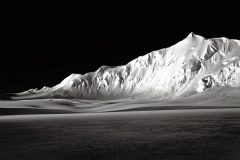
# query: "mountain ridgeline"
{"points": [[189, 67]]}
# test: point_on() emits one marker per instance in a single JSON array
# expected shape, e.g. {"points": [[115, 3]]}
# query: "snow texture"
{"points": [[185, 69]]}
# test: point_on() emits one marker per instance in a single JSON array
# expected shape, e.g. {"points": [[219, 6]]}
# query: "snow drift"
{"points": [[187, 68]]}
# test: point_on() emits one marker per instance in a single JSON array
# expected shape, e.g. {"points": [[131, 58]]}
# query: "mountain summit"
{"points": [[189, 67]]}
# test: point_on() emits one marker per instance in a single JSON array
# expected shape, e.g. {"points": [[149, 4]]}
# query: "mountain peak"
{"points": [[191, 34]]}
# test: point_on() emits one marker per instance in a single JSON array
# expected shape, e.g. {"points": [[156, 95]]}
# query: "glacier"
{"points": [[193, 66]]}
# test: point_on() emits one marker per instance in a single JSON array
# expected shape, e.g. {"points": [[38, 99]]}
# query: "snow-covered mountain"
{"points": [[189, 67]]}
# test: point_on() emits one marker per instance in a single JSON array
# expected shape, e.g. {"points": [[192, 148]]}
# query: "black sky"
{"points": [[41, 46]]}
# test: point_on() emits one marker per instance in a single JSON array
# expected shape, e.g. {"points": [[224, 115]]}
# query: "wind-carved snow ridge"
{"points": [[189, 67]]}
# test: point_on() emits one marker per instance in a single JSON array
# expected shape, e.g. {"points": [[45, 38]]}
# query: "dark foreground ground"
{"points": [[199, 134]]}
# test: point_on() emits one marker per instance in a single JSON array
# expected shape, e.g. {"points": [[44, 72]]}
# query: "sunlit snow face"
{"points": [[200, 87]]}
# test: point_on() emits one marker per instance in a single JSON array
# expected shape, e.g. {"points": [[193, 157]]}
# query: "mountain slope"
{"points": [[184, 69]]}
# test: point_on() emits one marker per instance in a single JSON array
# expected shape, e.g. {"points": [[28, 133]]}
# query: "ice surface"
{"points": [[186, 69]]}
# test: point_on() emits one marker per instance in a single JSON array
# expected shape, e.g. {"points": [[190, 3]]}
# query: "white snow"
{"points": [[187, 68]]}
